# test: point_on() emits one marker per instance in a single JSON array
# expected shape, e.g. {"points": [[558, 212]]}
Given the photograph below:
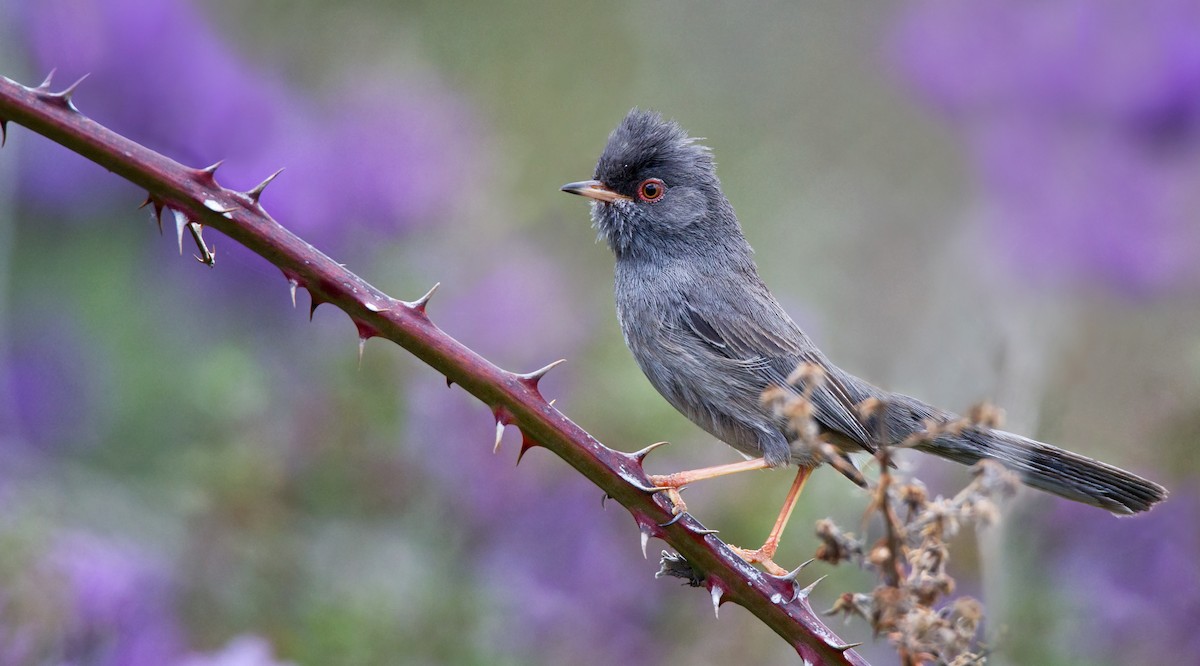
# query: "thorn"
{"points": [[604, 498], [64, 97], [551, 403], [449, 382], [526, 444], [421, 302], [847, 646], [3, 131], [791, 575], [208, 173], [314, 302], [645, 542], [499, 436], [292, 284], [803, 594], [531, 379], [641, 455], [362, 344], [706, 531], [157, 213], [255, 192], [717, 592], [46, 82], [673, 520], [181, 221]]}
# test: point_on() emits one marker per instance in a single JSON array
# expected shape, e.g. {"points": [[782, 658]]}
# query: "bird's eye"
{"points": [[651, 190]]}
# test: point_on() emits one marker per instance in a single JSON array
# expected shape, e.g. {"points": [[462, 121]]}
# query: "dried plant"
{"points": [[911, 606]]}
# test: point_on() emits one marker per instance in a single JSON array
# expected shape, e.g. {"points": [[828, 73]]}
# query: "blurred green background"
{"points": [[959, 200]]}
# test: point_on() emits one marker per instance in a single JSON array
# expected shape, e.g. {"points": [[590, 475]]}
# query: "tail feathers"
{"points": [[1052, 469]]}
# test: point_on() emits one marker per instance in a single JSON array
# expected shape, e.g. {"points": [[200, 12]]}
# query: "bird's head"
{"points": [[655, 190]]}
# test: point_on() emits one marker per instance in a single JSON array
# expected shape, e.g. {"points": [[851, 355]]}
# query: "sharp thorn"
{"points": [[208, 172], [847, 646], [46, 82], [421, 302], [362, 344], [499, 435], [672, 521], [65, 95], [791, 575], [645, 542], [292, 284], [3, 132], [207, 256], [603, 499], [449, 382], [181, 222], [531, 379], [552, 401], [313, 303], [707, 531], [526, 444], [803, 594], [716, 591], [149, 200], [255, 192], [641, 455]]}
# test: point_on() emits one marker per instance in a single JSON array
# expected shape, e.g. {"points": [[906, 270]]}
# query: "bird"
{"points": [[711, 338]]}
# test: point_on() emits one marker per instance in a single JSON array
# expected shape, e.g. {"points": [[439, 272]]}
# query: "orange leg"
{"points": [[765, 555], [671, 483]]}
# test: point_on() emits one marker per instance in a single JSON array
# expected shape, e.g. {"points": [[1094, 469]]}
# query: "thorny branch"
{"points": [[195, 200]]}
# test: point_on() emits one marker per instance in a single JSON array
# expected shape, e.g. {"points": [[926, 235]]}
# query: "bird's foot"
{"points": [[764, 556], [671, 484]]}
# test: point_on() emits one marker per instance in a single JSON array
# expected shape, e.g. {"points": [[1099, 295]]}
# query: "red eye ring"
{"points": [[651, 190]]}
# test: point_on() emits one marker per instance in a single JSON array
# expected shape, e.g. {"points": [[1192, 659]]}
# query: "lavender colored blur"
{"points": [[382, 156], [1082, 125], [1135, 581], [545, 555]]}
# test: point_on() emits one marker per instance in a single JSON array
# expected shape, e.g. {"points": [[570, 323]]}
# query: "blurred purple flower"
{"points": [[553, 565], [51, 380], [243, 650], [1135, 581], [161, 74], [1082, 118], [118, 604]]}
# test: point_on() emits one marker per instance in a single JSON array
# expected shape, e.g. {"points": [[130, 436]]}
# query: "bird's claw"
{"points": [[763, 556], [666, 484]]}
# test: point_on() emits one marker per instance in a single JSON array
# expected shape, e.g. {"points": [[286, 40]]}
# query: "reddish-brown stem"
{"points": [[513, 398]]}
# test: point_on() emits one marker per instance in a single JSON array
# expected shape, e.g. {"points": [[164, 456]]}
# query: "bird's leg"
{"points": [[671, 483], [765, 555]]}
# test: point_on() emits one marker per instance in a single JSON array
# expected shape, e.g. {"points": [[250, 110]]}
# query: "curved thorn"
{"points": [[313, 303], [149, 200], [3, 131], [645, 542], [641, 455], [255, 192], [532, 378], [45, 85], [674, 520], [449, 382], [421, 302], [847, 646], [526, 444], [803, 594], [791, 575], [603, 499], [69, 91], [292, 284], [211, 169], [716, 591], [499, 435], [706, 531]]}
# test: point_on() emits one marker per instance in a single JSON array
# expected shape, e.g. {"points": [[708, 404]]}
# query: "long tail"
{"points": [[1052, 469]]}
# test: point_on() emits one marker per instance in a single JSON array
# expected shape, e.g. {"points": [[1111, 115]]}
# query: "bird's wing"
{"points": [[771, 345]]}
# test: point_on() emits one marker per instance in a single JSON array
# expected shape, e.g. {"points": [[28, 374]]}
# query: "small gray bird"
{"points": [[711, 338]]}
